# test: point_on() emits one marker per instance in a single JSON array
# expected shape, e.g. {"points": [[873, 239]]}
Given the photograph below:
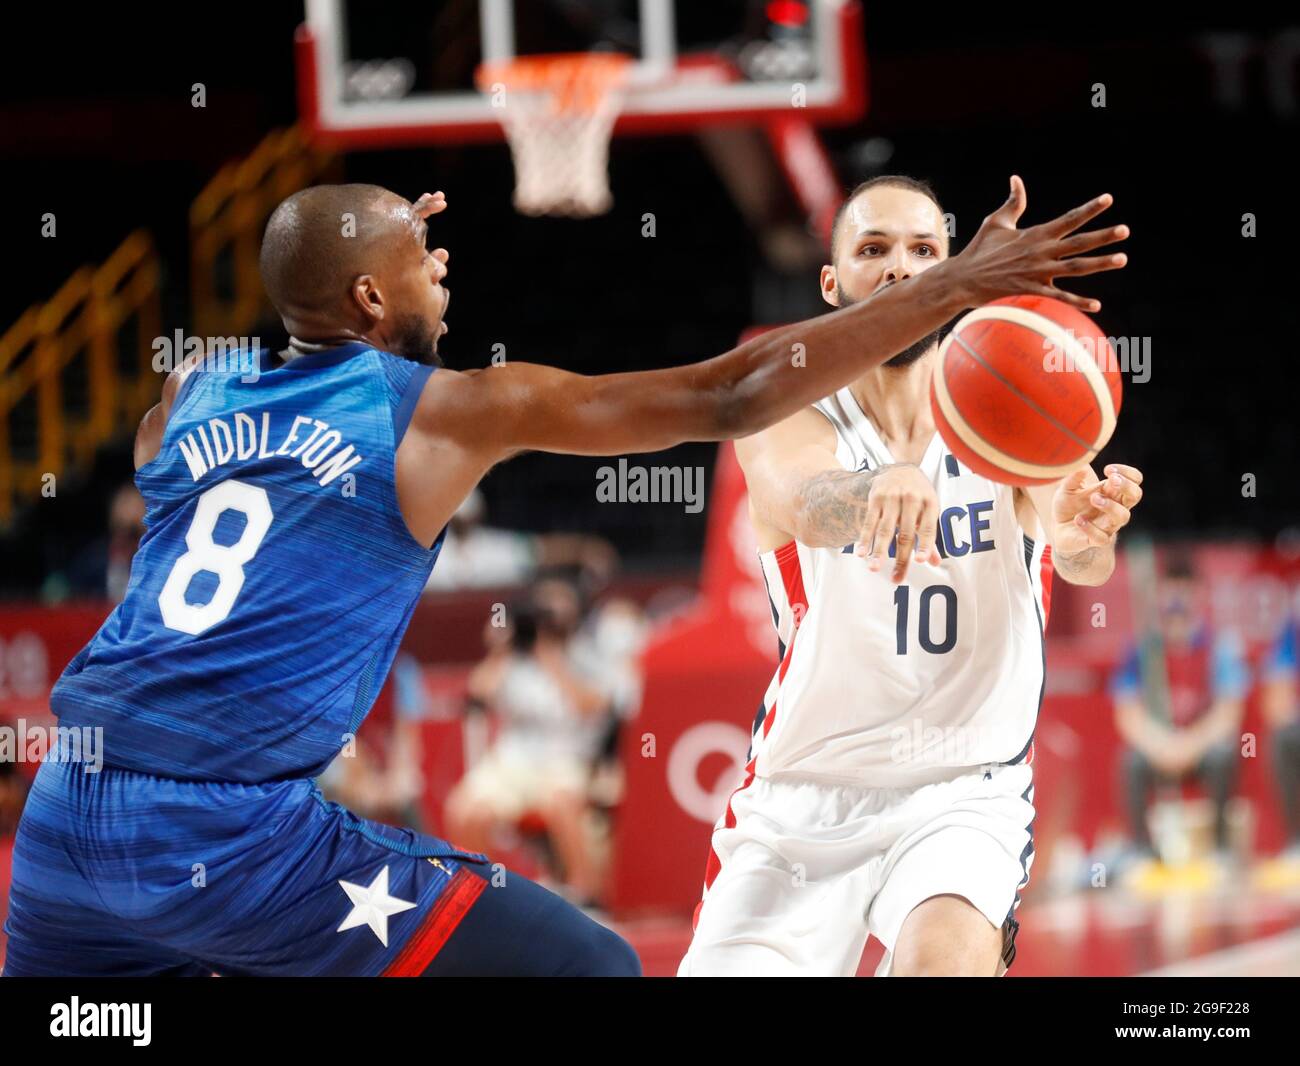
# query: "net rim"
{"points": [[575, 81]]}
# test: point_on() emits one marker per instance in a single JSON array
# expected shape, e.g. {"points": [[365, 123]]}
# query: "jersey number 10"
{"points": [[902, 601]]}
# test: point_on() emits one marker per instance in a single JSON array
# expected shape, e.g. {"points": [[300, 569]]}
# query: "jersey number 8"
{"points": [[226, 561]]}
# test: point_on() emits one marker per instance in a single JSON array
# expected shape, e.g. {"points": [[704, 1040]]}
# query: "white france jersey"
{"points": [[893, 686]]}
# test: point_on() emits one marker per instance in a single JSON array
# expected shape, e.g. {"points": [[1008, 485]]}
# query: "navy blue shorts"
{"points": [[123, 874]]}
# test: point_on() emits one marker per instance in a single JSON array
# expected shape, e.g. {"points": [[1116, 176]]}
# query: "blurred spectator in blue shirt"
{"points": [[1195, 736]]}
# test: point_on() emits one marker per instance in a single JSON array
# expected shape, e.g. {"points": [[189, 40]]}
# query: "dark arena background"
{"points": [[140, 156]]}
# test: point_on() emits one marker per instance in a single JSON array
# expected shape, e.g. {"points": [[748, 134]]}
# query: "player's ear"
{"points": [[830, 286], [367, 297]]}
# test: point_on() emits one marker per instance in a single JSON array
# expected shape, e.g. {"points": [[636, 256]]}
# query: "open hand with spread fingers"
{"points": [[1002, 260]]}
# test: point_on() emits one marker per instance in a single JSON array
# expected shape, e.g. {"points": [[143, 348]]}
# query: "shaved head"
{"points": [[321, 239], [349, 262]]}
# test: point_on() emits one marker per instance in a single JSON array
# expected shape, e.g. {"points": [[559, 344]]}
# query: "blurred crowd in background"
{"points": [[544, 710]]}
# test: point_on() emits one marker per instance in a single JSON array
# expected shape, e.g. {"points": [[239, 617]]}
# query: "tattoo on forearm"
{"points": [[1080, 562], [833, 504]]}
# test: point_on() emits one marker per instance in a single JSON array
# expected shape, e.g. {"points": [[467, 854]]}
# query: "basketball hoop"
{"points": [[558, 112]]}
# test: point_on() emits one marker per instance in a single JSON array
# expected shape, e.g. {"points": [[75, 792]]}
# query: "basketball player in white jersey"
{"points": [[889, 788]]}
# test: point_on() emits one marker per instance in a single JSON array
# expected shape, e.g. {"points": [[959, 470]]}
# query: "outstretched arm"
{"points": [[520, 406], [465, 423]]}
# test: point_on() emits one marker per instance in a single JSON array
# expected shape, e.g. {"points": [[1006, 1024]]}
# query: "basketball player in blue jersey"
{"points": [[294, 515]]}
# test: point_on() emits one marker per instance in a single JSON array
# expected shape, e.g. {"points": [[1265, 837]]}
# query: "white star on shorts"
{"points": [[372, 905]]}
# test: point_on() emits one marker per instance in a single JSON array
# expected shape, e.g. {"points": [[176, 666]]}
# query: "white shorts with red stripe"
{"points": [[803, 871]]}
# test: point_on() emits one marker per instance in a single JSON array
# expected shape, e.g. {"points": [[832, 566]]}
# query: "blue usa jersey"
{"points": [[265, 605], [274, 581]]}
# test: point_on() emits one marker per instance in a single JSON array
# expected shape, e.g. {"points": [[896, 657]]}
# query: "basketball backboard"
{"points": [[402, 74]]}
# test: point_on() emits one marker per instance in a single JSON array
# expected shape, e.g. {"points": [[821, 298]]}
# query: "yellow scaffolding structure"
{"points": [[77, 337], [78, 332]]}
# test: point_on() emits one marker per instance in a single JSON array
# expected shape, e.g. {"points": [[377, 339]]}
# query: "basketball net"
{"points": [[558, 112]]}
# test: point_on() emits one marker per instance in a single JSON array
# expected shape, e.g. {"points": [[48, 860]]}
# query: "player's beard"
{"points": [[914, 351], [417, 340]]}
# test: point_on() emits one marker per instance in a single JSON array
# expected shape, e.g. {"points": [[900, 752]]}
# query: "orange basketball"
{"points": [[1025, 390]]}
